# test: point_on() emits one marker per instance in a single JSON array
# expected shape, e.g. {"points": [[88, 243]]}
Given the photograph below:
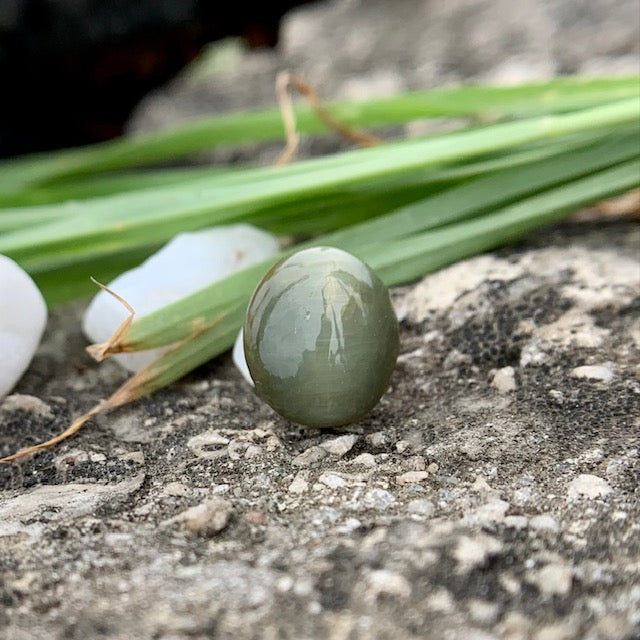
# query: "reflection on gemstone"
{"points": [[321, 337]]}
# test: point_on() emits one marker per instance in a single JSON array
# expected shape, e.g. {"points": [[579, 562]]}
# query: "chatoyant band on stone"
{"points": [[321, 338]]}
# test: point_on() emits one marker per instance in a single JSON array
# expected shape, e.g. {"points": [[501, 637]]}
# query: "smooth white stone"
{"points": [[23, 315], [239, 360], [189, 262]]}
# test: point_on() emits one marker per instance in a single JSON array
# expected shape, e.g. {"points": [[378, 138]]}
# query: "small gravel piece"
{"points": [[310, 457], [504, 380], [299, 484], [339, 446], [365, 459], [28, 404], [207, 518], [594, 372], [544, 522], [588, 486], [332, 480], [516, 522], [553, 579], [411, 477], [379, 499], [421, 507]]}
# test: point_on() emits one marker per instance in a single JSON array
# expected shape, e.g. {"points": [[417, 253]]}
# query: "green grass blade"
{"points": [[176, 321], [409, 258], [561, 94], [180, 360], [526, 171], [133, 220], [406, 259], [85, 188], [495, 189], [22, 215], [455, 203]]}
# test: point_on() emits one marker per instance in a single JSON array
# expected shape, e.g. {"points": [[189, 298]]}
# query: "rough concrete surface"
{"points": [[492, 494]]}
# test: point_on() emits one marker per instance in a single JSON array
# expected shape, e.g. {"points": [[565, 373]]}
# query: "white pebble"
{"points": [[422, 507], [332, 480], [299, 484], [28, 404], [411, 477], [516, 522], [23, 315], [309, 457], [482, 611], [388, 583], [471, 552], [588, 486], [593, 372], [207, 518], [532, 354], [487, 514], [189, 262], [504, 380], [556, 631], [176, 490], [365, 459]]}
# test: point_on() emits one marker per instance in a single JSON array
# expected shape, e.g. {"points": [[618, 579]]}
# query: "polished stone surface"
{"points": [[321, 338]]}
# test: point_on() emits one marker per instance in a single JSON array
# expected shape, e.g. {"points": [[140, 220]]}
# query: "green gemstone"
{"points": [[321, 338]]}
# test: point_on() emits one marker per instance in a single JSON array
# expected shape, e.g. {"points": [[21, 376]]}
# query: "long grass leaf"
{"points": [[454, 204], [410, 258], [70, 281], [484, 193], [178, 320], [133, 220], [554, 96]]}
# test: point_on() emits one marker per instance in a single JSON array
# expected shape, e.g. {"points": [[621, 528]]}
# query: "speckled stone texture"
{"points": [[492, 494], [461, 507]]}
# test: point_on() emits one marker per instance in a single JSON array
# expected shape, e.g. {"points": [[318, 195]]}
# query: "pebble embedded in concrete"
{"points": [[504, 380], [364, 459], [588, 486], [299, 483], [411, 477], [600, 373], [27, 404], [339, 446], [207, 518], [332, 480], [553, 579], [544, 522], [421, 507], [309, 457], [380, 499]]}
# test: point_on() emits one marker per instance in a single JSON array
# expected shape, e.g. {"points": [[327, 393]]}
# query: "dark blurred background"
{"points": [[72, 70], [79, 71]]}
